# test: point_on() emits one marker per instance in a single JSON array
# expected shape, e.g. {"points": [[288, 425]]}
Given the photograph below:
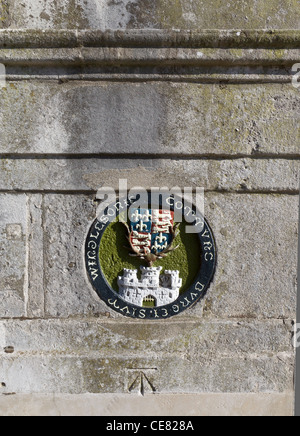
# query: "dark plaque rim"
{"points": [[207, 267]]}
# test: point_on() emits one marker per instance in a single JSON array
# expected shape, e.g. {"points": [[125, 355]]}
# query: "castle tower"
{"points": [[150, 276], [130, 277], [175, 280], [128, 285]]}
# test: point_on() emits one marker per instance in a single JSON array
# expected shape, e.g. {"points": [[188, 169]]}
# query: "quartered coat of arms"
{"points": [[151, 236], [151, 288]]}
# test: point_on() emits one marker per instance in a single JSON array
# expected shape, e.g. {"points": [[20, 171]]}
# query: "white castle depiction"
{"points": [[153, 288]]}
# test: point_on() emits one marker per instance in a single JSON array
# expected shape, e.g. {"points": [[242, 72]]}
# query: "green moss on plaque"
{"points": [[114, 256]]}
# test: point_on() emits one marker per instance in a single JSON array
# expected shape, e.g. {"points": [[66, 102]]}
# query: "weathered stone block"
{"points": [[194, 340], [255, 276], [205, 404], [70, 14], [35, 300], [256, 273], [13, 258], [66, 222], [78, 356], [80, 374], [150, 119]]}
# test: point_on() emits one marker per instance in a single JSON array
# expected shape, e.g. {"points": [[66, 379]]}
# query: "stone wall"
{"points": [[102, 90]]}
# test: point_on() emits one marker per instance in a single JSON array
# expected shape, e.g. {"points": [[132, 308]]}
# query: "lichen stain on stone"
{"points": [[142, 12], [178, 14], [138, 346], [12, 282], [18, 102], [45, 16], [4, 13], [69, 15], [171, 14], [5, 167]]}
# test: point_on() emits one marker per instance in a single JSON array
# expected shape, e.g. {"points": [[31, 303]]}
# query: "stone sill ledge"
{"points": [[149, 48], [164, 405], [138, 57], [266, 39]]}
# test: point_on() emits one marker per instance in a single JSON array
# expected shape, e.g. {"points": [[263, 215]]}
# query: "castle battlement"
{"points": [[151, 270]]}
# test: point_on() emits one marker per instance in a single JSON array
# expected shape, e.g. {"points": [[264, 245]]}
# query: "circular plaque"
{"points": [[166, 267]]}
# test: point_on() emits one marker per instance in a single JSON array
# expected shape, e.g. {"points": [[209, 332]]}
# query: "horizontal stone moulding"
{"points": [[147, 56], [150, 38], [139, 76], [149, 48], [220, 74]]}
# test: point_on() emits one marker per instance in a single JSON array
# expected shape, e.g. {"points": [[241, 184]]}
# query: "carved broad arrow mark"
{"points": [[142, 383]]}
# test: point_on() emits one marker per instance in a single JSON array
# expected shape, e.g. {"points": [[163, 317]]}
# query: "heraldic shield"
{"points": [[151, 230]]}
